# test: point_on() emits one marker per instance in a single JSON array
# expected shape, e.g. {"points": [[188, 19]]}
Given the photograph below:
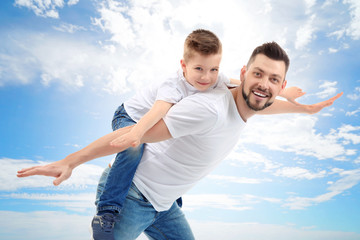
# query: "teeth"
{"points": [[259, 94]]}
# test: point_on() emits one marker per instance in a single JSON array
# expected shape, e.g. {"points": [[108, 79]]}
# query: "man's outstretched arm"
{"points": [[62, 169], [280, 106]]}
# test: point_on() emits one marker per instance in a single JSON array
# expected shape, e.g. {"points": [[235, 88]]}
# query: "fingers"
{"points": [[28, 171], [61, 178]]}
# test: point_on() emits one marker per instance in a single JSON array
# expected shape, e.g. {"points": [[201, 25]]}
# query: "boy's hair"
{"points": [[203, 42], [273, 51]]}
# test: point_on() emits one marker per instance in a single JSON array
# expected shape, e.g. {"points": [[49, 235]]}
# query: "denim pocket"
{"points": [[135, 194]]}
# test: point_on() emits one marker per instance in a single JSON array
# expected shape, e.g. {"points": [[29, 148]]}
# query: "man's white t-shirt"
{"points": [[205, 128], [172, 90]]}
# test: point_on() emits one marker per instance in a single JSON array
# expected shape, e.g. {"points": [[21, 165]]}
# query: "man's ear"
{"points": [[283, 86], [242, 73]]}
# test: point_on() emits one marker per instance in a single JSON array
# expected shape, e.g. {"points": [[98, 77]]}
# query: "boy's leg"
{"points": [[115, 183]]}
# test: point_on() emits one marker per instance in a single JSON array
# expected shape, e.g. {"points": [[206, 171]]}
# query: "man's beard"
{"points": [[246, 98]]}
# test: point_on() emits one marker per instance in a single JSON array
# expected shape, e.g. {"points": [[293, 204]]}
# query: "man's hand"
{"points": [[317, 107], [60, 170]]}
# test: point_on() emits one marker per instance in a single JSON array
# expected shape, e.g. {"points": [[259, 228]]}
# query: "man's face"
{"points": [[201, 71], [262, 82]]}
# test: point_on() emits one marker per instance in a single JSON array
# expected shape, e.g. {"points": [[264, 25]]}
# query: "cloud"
{"points": [[224, 201], [305, 34], [239, 180], [299, 173], [354, 29], [80, 202], [348, 179], [83, 176], [208, 230], [280, 136], [44, 8], [44, 225], [329, 89], [69, 28], [354, 96], [64, 226]]}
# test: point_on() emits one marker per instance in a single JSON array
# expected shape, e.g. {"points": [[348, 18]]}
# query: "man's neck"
{"points": [[244, 111]]}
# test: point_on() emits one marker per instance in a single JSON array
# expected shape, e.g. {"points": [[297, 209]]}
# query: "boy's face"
{"points": [[262, 82], [201, 71]]}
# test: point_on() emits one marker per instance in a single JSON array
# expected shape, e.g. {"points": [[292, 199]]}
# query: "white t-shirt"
{"points": [[205, 127], [172, 90]]}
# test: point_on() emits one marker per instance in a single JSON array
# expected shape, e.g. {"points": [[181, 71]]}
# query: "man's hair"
{"points": [[203, 42], [273, 51]]}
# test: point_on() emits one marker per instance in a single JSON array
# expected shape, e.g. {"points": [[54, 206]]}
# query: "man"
{"points": [[196, 134]]}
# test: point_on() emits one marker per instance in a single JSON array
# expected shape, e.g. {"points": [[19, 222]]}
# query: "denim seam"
{"points": [[160, 232]]}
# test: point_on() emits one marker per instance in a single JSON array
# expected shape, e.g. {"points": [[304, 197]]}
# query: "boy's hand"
{"points": [[317, 107], [292, 93], [59, 170], [127, 140]]}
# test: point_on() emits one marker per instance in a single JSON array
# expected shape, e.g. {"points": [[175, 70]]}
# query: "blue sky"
{"points": [[66, 65]]}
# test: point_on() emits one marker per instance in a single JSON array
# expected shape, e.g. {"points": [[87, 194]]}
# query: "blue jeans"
{"points": [[122, 171], [138, 215]]}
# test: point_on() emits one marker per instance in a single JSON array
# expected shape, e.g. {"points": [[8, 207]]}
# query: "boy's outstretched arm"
{"points": [[280, 106], [133, 137], [62, 169], [292, 93]]}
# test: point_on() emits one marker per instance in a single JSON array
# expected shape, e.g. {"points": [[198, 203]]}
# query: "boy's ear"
{"points": [[183, 65], [242, 73]]}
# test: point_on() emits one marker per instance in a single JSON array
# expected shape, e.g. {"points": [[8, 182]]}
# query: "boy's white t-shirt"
{"points": [[172, 90], [205, 128]]}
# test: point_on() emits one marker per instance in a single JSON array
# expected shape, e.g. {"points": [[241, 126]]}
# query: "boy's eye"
{"points": [[214, 70], [198, 68]]}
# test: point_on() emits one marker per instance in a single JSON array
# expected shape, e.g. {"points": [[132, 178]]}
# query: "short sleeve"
{"points": [[169, 92], [190, 117]]}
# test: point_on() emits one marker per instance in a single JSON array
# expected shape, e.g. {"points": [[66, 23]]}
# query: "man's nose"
{"points": [[264, 83]]}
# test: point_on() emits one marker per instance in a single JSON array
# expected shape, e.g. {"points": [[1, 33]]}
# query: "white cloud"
{"points": [[44, 225], [348, 180], [354, 29], [329, 89], [281, 136], [299, 173], [81, 202], [83, 176], [353, 113], [250, 231], [305, 34], [239, 180], [243, 156], [224, 201], [70, 28], [64, 226], [43, 8]]}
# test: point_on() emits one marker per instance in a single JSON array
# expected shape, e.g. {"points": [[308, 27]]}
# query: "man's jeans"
{"points": [[138, 215], [122, 171]]}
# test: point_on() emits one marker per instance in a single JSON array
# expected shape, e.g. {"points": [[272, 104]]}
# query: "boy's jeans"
{"points": [[138, 215], [122, 172]]}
